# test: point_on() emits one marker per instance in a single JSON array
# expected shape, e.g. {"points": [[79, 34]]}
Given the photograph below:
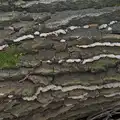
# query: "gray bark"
{"points": [[68, 74]]}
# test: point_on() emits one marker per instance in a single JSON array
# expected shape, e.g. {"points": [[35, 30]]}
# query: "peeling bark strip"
{"points": [[61, 31], [79, 97], [88, 60], [25, 37], [99, 57], [56, 33], [73, 27], [3, 46], [113, 94], [73, 60], [108, 44], [71, 88]]}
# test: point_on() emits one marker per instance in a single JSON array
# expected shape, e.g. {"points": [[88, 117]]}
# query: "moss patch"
{"points": [[115, 77], [102, 64], [9, 57]]}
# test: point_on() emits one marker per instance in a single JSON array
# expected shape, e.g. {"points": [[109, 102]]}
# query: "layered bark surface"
{"points": [[69, 68]]}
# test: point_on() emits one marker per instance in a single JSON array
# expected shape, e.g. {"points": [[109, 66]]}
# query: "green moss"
{"points": [[117, 4], [116, 77], [9, 57], [102, 64], [112, 79]]}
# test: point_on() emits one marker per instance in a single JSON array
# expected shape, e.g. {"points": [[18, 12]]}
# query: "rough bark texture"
{"points": [[71, 66]]}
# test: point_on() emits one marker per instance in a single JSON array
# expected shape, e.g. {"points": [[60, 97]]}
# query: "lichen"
{"points": [[27, 92]]}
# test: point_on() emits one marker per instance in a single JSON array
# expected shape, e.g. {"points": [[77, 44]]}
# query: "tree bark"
{"points": [[69, 64]]}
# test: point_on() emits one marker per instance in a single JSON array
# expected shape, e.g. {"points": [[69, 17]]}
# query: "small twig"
{"points": [[26, 77], [29, 73], [109, 115]]}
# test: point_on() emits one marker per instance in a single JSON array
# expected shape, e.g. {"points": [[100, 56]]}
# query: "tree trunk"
{"points": [[59, 60]]}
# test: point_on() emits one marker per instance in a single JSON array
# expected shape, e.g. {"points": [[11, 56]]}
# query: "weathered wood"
{"points": [[69, 60]]}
